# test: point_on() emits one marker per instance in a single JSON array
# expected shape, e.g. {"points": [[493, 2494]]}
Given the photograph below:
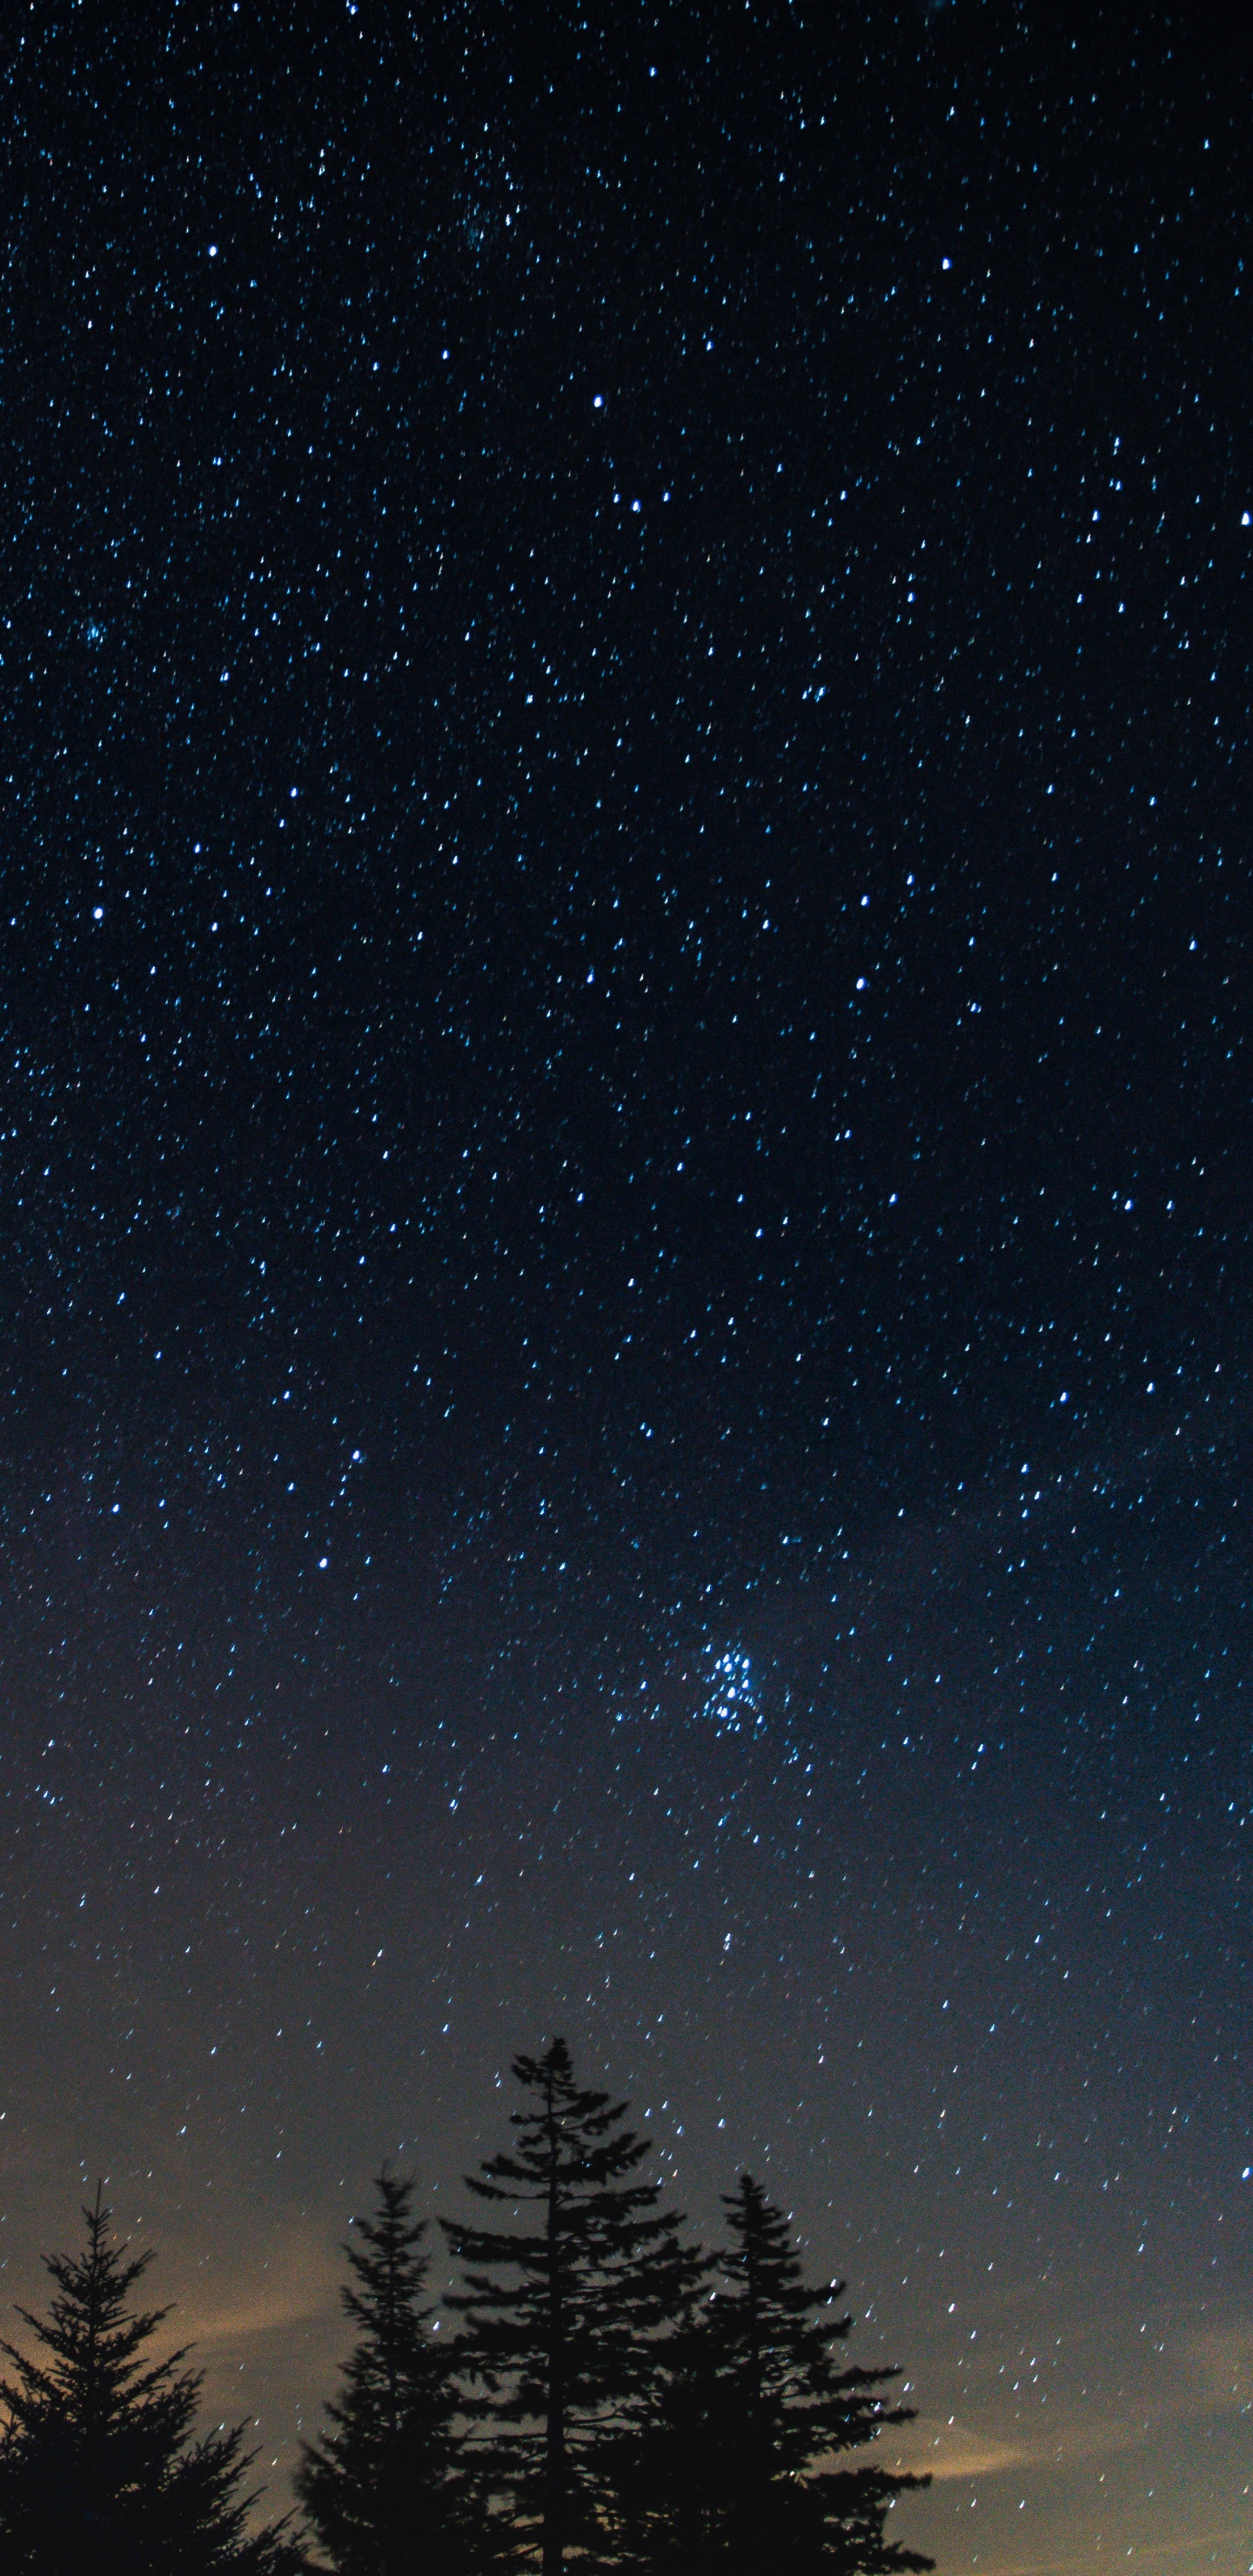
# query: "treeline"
{"points": [[599, 2395]]}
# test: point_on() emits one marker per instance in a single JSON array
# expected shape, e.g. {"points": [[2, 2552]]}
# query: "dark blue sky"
{"points": [[625, 1172]]}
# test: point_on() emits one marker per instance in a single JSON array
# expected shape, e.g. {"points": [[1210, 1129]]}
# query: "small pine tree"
{"points": [[99, 2465], [385, 2490], [792, 2409], [734, 2474], [561, 2311]]}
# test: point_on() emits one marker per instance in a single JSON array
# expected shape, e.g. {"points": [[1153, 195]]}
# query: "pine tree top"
{"points": [[96, 2372], [573, 2134], [100, 2466], [779, 2333], [385, 2254]]}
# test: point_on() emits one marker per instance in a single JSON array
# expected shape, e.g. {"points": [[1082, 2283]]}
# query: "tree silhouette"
{"points": [[735, 2473], [99, 2466], [385, 2489], [671, 2470], [560, 2311]]}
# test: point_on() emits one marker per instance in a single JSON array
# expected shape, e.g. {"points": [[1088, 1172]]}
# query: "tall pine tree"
{"points": [[100, 2469], [385, 2489], [739, 2470], [561, 2308]]}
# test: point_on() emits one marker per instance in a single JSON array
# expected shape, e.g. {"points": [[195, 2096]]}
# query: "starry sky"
{"points": [[625, 1170]]}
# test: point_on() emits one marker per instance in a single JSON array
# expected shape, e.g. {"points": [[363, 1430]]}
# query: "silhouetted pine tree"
{"points": [[560, 2310], [386, 2489], [734, 2473], [669, 2471], [100, 2471]]}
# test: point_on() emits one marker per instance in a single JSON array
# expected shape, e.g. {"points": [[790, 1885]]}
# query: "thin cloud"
{"points": [[956, 2451], [297, 2286]]}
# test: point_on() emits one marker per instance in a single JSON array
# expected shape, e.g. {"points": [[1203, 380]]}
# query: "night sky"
{"points": [[626, 1173]]}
